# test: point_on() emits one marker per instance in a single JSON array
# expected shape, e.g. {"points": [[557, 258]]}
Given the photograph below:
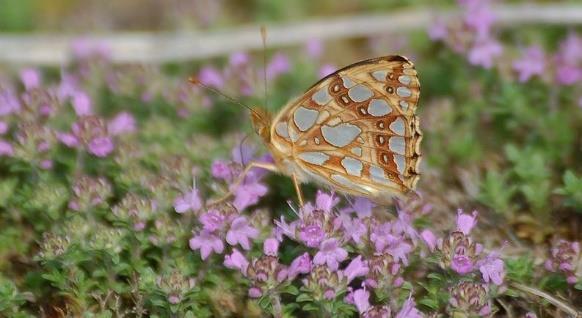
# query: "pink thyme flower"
{"points": [[325, 201], [484, 52], [478, 16], [531, 63], [462, 264], [564, 257], [311, 235], [361, 299], [236, 260], [212, 220], [493, 270], [429, 238], [240, 232], [68, 140], [82, 104], [300, 265], [330, 253], [122, 123], [189, 201], [465, 222], [207, 243], [409, 310], [221, 170], [246, 195], [30, 77], [271, 247], [238, 58], [357, 267]]}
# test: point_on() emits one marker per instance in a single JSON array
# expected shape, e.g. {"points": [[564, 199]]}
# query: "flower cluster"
{"points": [[224, 220], [565, 258], [474, 37]]}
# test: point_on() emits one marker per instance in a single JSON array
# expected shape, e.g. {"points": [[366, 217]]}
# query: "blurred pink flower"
{"points": [[568, 74], [9, 102], [82, 104], [314, 48], [330, 253], [210, 76], [479, 16], [189, 201], [438, 30], [207, 243], [531, 63], [570, 51], [101, 146], [238, 59], [6, 149], [31, 78], [239, 233], [3, 127], [484, 52], [326, 69], [278, 66], [84, 48], [123, 123], [67, 139], [46, 164]]}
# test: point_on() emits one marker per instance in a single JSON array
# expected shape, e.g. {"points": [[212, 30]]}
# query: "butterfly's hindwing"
{"points": [[357, 128]]}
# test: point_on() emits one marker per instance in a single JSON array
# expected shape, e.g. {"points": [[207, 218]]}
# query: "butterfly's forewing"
{"points": [[356, 129]]}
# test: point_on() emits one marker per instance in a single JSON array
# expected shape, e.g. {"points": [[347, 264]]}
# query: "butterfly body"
{"points": [[355, 130]]}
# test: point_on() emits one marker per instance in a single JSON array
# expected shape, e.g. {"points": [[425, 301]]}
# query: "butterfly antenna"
{"points": [[264, 39], [195, 81]]}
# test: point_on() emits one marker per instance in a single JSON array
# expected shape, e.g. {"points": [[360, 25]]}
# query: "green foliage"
{"points": [[571, 190]]}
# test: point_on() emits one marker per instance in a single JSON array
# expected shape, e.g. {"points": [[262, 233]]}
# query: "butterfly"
{"points": [[355, 131]]}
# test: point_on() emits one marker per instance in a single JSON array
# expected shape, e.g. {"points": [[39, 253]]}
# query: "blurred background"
{"points": [[98, 89]]}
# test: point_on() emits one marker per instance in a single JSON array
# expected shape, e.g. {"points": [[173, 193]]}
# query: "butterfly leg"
{"points": [[263, 165], [297, 185]]}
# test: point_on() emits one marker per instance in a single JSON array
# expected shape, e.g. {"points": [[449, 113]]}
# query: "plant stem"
{"points": [[551, 299], [277, 308]]}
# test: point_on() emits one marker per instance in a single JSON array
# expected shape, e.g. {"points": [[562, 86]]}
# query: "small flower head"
{"points": [[468, 298], [240, 232], [565, 258], [207, 243], [330, 253]]}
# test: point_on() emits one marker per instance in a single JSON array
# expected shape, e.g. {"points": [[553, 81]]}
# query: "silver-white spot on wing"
{"points": [[314, 157], [380, 75], [377, 175], [353, 166], [378, 107], [282, 130], [340, 135], [360, 93], [348, 83], [357, 151], [404, 79], [397, 145], [404, 105], [305, 118], [398, 126], [400, 162], [403, 91], [321, 97]]}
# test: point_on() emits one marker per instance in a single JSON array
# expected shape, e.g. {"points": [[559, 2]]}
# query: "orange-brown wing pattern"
{"points": [[356, 129]]}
